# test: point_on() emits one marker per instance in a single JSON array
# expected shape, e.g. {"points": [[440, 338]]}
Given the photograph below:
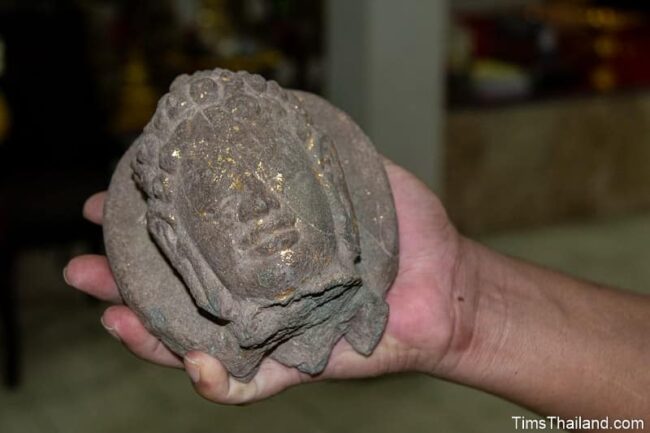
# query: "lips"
{"points": [[270, 235], [276, 242]]}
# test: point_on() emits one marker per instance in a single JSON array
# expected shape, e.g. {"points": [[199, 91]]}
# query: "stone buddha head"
{"points": [[247, 200]]}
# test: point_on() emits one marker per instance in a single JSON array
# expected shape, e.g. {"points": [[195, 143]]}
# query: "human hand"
{"points": [[426, 302]]}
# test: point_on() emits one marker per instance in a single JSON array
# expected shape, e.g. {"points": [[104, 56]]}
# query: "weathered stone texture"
{"points": [[250, 221]]}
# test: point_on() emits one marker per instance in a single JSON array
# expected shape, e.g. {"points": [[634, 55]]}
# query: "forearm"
{"points": [[549, 342]]}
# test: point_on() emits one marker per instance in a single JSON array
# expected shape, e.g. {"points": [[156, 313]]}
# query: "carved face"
{"points": [[253, 205]]}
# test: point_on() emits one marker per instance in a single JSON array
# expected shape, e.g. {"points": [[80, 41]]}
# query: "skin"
{"points": [[458, 311]]}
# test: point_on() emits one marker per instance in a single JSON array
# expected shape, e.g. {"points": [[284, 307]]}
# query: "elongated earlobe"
{"points": [[206, 288], [339, 199]]}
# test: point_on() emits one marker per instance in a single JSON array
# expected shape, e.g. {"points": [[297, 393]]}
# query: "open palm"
{"points": [[424, 301]]}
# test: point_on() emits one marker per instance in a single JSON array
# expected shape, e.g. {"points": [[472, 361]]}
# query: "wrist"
{"points": [[479, 313], [537, 337], [501, 317]]}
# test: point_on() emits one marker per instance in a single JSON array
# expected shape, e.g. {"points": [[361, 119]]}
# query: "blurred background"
{"points": [[531, 119]]}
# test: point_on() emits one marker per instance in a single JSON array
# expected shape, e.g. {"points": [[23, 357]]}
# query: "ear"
{"points": [[204, 286], [338, 196], [367, 326]]}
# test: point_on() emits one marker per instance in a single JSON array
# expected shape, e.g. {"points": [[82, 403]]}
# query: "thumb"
{"points": [[212, 381]]}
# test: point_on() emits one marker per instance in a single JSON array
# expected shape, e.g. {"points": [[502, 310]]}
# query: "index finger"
{"points": [[94, 207]]}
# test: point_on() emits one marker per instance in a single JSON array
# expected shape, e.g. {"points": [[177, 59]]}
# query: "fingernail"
{"points": [[65, 275], [193, 368], [110, 330]]}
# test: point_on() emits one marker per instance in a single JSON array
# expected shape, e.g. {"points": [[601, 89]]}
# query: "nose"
{"points": [[256, 206]]}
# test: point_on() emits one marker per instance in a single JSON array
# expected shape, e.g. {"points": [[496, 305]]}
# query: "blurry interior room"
{"points": [[530, 119]]}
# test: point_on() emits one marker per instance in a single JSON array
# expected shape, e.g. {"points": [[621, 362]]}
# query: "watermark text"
{"points": [[577, 423]]}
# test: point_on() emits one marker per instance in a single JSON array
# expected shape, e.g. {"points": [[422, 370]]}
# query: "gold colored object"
{"points": [[606, 46], [580, 15], [603, 79], [137, 100]]}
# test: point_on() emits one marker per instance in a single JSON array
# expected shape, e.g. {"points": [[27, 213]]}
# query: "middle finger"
{"points": [[92, 275]]}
